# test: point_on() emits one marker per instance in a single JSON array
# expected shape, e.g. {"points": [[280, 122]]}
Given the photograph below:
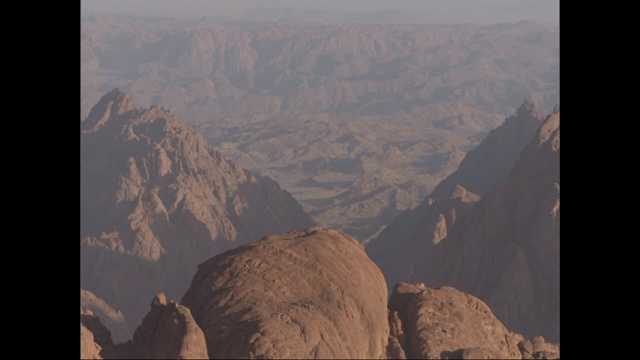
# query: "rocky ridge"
{"points": [[401, 248], [513, 235]]}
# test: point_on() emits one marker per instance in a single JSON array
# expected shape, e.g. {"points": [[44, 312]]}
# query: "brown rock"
{"points": [[168, 332], [476, 353], [543, 350], [88, 348], [397, 338], [526, 348], [447, 323], [306, 294], [100, 334]]}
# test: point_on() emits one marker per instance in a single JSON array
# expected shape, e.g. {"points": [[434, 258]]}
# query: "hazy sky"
{"points": [[434, 11]]}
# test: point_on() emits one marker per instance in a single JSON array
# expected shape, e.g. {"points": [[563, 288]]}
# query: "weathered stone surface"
{"points": [[540, 349], [448, 324], [306, 294], [156, 200], [88, 347]]}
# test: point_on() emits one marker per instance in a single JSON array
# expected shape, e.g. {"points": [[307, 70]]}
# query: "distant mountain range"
{"points": [[204, 70]]}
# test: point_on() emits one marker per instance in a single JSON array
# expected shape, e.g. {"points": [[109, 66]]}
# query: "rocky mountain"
{"points": [[156, 200], [204, 69], [314, 293], [502, 248], [402, 246], [506, 250]]}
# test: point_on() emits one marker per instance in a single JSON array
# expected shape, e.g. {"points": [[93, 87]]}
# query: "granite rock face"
{"points": [[89, 349], [306, 294], [156, 200], [446, 323]]}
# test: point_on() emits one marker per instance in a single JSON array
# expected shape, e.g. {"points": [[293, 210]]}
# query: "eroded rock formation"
{"points": [[310, 293]]}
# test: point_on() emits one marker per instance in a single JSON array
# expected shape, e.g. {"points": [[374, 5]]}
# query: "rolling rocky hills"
{"points": [[156, 200]]}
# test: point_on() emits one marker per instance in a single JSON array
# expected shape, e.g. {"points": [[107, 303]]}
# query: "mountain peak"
{"points": [[114, 103], [529, 108], [157, 199]]}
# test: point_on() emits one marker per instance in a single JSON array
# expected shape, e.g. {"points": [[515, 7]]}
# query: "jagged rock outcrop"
{"points": [[446, 323], [404, 244], [168, 332], [100, 334], [89, 349], [538, 348], [492, 160], [156, 200], [506, 249], [306, 294]]}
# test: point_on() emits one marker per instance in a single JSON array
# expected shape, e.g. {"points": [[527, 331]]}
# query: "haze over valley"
{"points": [[317, 181]]}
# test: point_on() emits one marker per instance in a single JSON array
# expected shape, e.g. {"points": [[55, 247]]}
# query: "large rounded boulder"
{"points": [[310, 293]]}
